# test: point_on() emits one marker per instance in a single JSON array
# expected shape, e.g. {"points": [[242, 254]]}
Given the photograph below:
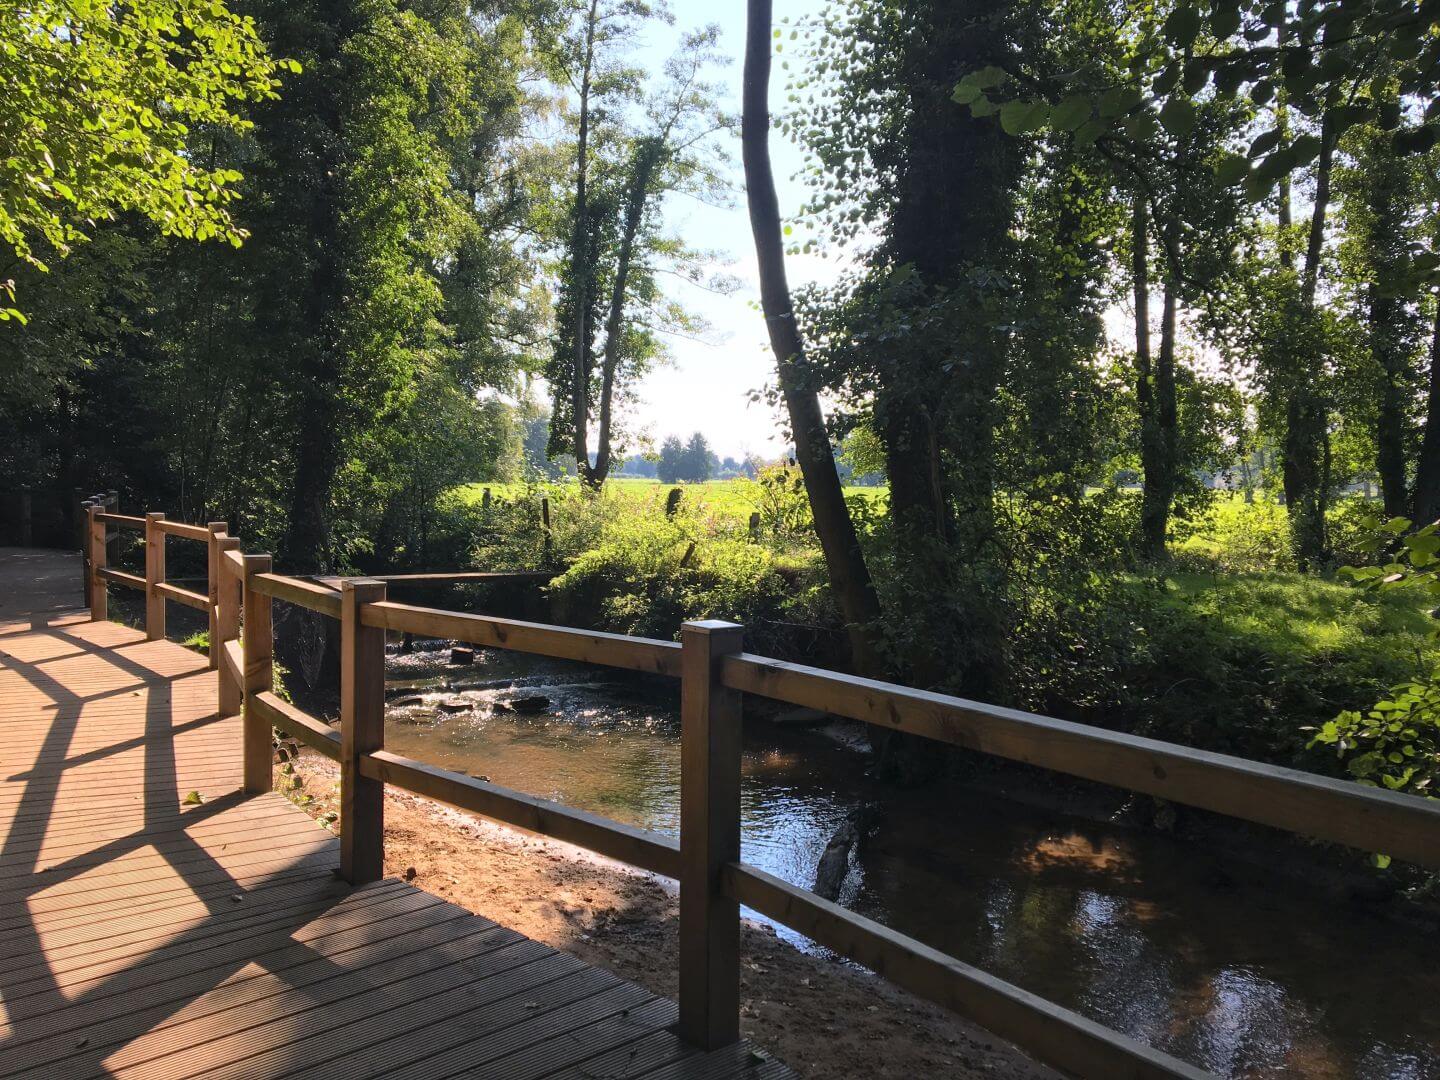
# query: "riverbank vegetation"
{"points": [[1135, 320]]}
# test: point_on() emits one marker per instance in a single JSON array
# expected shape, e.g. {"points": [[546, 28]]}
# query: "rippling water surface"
{"points": [[1138, 931]]}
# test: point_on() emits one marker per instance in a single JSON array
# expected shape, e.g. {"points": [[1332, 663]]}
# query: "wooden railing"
{"points": [[714, 672]]}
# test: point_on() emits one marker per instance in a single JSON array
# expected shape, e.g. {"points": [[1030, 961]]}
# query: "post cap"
{"points": [[710, 626]]}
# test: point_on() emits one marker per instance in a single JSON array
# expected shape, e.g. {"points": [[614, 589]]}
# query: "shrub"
{"points": [[1396, 743]]}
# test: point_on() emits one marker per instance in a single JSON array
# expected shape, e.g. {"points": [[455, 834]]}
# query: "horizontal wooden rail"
{"points": [[464, 577], [120, 577], [713, 880], [591, 647], [649, 851], [279, 713], [125, 521], [1341, 811], [232, 660], [188, 532], [196, 600], [1054, 1034], [304, 593]]}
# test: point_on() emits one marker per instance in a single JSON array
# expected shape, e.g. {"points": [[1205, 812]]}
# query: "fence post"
{"points": [[154, 575], [259, 677], [83, 535], [362, 730], [227, 625], [549, 538], [98, 591], [212, 588], [709, 836]]}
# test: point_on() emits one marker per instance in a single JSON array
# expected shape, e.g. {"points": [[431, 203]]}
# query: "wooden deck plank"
{"points": [[141, 937]]}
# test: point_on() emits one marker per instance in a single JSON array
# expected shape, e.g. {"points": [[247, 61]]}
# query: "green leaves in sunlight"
{"points": [[100, 104]]}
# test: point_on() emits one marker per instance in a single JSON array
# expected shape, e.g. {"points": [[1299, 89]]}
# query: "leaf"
{"points": [[192, 798], [1091, 130], [964, 93], [1071, 113], [1305, 149], [1178, 116], [1118, 100], [1264, 143], [1233, 168], [988, 77], [1019, 117], [1182, 27], [1225, 20]]}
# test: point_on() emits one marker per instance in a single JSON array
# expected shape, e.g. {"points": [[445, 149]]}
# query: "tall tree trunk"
{"points": [[1307, 415], [1151, 547], [1160, 438], [1388, 348], [646, 160], [1427, 474], [844, 561], [1282, 124], [581, 271]]}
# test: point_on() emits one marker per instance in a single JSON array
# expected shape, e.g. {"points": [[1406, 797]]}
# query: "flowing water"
{"points": [[1138, 931]]}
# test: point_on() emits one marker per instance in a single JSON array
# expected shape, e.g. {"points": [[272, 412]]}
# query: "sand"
{"points": [[823, 1017]]}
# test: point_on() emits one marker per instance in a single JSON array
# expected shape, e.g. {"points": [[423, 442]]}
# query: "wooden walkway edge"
{"points": [[150, 936]]}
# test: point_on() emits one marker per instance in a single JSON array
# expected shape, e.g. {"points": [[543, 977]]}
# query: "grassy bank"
{"points": [[1227, 647]]}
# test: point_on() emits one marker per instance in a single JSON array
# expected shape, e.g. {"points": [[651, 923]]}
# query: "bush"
{"points": [[1395, 744]]}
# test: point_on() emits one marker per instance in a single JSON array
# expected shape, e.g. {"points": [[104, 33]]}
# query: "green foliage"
{"points": [[1323, 56], [1394, 744], [101, 104], [199, 641]]}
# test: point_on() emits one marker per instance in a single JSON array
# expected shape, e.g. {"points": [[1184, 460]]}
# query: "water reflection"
{"points": [[1137, 931]]}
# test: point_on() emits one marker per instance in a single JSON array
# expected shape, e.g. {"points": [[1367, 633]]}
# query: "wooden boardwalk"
{"points": [[144, 936]]}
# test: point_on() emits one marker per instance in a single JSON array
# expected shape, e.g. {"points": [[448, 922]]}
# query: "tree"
{"points": [[614, 245], [696, 464], [671, 466], [845, 563], [101, 102]]}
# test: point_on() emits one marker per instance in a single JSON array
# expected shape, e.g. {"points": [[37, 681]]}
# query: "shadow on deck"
{"points": [[145, 934]]}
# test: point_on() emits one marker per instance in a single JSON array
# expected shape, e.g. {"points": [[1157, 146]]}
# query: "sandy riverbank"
{"points": [[825, 1019]]}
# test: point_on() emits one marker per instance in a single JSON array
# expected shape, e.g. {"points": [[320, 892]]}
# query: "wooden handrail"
{"points": [[650, 851], [463, 577], [588, 646], [120, 577], [1051, 1032], [1340, 811], [125, 521], [714, 881], [187, 532], [294, 591], [316, 734], [196, 600], [232, 660]]}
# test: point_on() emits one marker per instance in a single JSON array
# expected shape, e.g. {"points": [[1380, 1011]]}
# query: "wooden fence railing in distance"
{"points": [[714, 881]]}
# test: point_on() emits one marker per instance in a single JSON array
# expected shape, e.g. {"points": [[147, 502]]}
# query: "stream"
{"points": [[1144, 933]]}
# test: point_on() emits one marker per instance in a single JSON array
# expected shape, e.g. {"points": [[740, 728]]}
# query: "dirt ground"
{"points": [[823, 1018]]}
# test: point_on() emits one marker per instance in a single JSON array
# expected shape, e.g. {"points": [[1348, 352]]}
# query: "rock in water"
{"points": [[533, 703], [407, 701], [835, 859], [462, 655], [454, 705]]}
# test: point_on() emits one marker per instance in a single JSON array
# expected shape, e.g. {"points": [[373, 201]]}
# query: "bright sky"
{"points": [[707, 387]]}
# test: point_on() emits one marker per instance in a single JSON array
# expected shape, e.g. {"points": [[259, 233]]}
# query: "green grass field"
{"points": [[738, 498]]}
